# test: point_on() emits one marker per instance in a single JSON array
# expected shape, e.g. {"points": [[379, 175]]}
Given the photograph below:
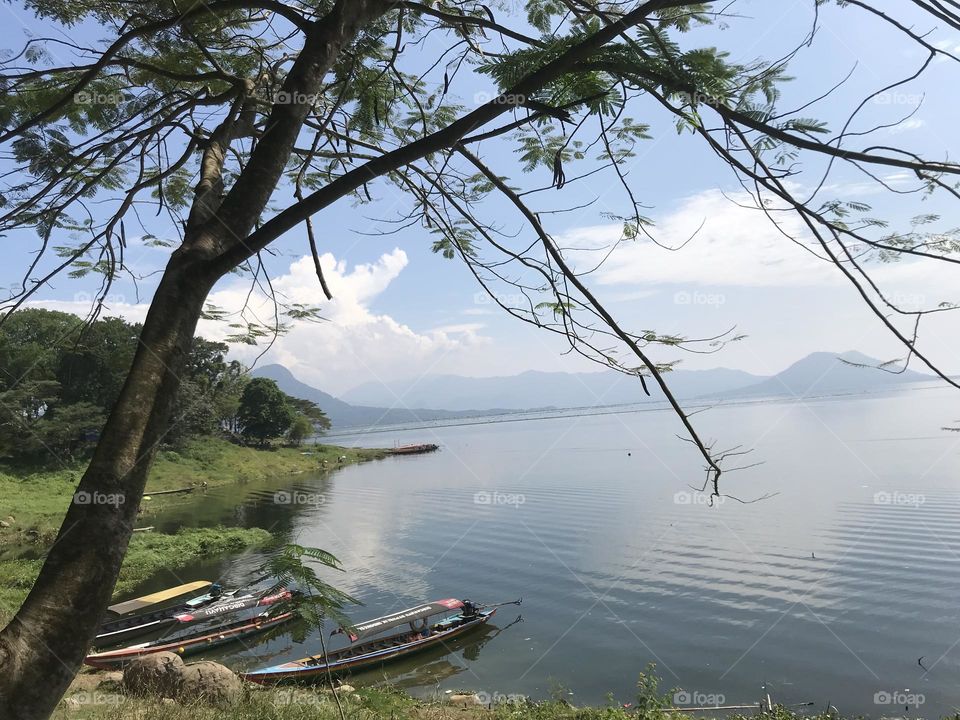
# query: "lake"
{"points": [[831, 591]]}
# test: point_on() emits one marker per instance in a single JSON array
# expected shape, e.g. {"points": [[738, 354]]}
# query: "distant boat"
{"points": [[413, 449], [191, 644], [369, 650]]}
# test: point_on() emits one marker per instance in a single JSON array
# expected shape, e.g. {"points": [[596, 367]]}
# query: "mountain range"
{"points": [[443, 397]]}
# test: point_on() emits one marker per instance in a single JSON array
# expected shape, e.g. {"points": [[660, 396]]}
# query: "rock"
{"points": [[111, 676], [71, 704], [346, 688], [4, 524], [159, 674], [464, 699], [167, 701], [209, 681]]}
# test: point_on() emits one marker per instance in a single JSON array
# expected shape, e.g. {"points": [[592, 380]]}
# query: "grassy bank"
{"points": [[369, 704], [148, 554], [33, 502]]}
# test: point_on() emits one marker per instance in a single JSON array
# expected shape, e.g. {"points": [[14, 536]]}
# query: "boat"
{"points": [[369, 649], [204, 607], [219, 635], [417, 449], [160, 599]]}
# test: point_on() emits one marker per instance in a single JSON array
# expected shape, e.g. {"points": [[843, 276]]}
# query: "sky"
{"points": [[400, 311]]}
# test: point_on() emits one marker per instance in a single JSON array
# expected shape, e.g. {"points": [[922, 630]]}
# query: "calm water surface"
{"points": [[829, 591]]}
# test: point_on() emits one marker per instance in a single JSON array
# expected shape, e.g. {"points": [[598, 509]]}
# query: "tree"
{"points": [[67, 431], [311, 411], [214, 113], [264, 413], [93, 368]]}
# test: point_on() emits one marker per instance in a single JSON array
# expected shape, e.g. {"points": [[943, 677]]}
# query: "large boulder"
{"points": [[159, 675], [165, 675], [210, 682]]}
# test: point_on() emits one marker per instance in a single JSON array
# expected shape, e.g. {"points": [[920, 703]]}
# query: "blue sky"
{"points": [[401, 311]]}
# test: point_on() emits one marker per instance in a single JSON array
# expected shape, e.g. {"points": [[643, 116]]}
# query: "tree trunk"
{"points": [[39, 652]]}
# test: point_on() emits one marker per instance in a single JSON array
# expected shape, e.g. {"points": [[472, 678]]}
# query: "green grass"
{"points": [[148, 554], [33, 503]]}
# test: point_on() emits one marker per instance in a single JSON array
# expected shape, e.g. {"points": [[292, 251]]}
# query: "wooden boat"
{"points": [[418, 449], [157, 600], [368, 650], [193, 644], [204, 607]]}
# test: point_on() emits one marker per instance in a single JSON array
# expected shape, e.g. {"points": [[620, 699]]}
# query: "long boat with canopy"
{"points": [[372, 643]]}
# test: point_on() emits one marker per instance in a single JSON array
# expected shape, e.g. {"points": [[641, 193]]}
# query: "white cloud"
{"points": [[740, 247], [735, 246], [353, 344]]}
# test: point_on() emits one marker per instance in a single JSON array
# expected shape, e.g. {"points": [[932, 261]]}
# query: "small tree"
{"points": [[300, 429], [264, 412]]}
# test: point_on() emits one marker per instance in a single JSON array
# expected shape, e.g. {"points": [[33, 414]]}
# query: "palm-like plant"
{"points": [[316, 600]]}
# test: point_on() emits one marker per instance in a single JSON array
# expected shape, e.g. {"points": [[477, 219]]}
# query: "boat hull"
{"points": [[189, 645], [306, 671]]}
